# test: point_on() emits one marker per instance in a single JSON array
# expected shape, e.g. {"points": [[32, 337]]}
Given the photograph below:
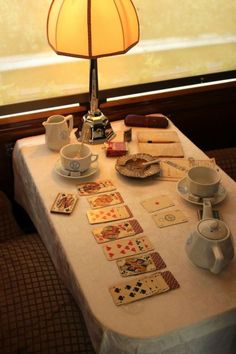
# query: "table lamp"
{"points": [[92, 29]]}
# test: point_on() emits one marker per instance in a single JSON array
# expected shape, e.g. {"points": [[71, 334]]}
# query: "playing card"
{"points": [[103, 200], [157, 283], [168, 218], [64, 203], [137, 289], [127, 247], [157, 203], [124, 293], [89, 188], [142, 263], [108, 214], [117, 231]]}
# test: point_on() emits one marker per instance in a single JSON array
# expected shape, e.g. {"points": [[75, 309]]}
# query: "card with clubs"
{"points": [[137, 289]]}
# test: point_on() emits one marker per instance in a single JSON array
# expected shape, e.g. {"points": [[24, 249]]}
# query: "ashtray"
{"points": [[133, 165]]}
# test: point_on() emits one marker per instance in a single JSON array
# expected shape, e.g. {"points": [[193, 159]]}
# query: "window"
{"points": [[178, 40]]}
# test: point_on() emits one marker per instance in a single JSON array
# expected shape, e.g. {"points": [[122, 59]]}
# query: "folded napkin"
{"points": [[166, 136], [162, 149], [160, 143]]}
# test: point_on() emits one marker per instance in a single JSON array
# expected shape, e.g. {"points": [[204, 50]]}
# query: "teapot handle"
{"points": [[207, 209], [69, 119], [218, 259]]}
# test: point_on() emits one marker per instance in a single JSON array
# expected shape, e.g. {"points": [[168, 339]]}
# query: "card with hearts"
{"points": [[117, 231], [168, 218], [89, 188], [64, 203], [142, 263], [157, 203], [105, 199], [101, 215], [127, 247]]}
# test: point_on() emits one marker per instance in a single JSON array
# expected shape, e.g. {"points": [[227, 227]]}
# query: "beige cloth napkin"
{"points": [[163, 149], [166, 136], [160, 143]]}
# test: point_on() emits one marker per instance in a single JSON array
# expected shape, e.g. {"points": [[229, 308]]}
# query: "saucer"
{"points": [[182, 189], [74, 175]]}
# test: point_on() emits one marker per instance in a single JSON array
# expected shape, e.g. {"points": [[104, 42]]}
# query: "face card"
{"points": [[89, 188], [64, 203], [143, 263], [168, 218], [127, 247], [117, 231], [157, 203], [137, 289], [103, 200], [108, 214]]}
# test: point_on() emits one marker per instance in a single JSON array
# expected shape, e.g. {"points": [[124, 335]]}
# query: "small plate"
{"points": [[67, 174], [131, 166], [182, 189]]}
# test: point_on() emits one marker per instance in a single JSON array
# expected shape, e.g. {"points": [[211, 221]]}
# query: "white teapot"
{"points": [[210, 245], [58, 129]]}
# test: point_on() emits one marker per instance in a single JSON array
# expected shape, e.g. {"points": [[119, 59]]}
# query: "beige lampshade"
{"points": [[92, 28]]}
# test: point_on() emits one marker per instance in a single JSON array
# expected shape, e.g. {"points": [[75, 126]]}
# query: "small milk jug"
{"points": [[57, 131]]}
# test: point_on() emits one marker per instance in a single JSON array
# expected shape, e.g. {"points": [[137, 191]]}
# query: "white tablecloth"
{"points": [[199, 317]]}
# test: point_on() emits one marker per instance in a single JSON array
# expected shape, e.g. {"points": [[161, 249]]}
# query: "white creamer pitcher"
{"points": [[57, 131]]}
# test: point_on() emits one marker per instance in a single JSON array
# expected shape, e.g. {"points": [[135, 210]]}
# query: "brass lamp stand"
{"points": [[97, 126]]}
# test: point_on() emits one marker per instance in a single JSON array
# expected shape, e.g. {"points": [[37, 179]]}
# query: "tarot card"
{"points": [[64, 203], [89, 188], [137, 289], [157, 203], [117, 231], [168, 218], [143, 263], [127, 247], [108, 214], [103, 200]]}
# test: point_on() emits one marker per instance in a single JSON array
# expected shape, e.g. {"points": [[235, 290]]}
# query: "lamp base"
{"points": [[98, 128]]}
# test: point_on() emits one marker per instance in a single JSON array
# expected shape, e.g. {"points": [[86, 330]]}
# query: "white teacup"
{"points": [[76, 157], [203, 181]]}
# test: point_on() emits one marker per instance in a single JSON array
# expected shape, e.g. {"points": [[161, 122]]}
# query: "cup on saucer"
{"points": [[77, 158], [203, 181]]}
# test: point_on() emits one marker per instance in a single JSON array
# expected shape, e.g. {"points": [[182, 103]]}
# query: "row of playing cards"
{"points": [[140, 288], [130, 253]]}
